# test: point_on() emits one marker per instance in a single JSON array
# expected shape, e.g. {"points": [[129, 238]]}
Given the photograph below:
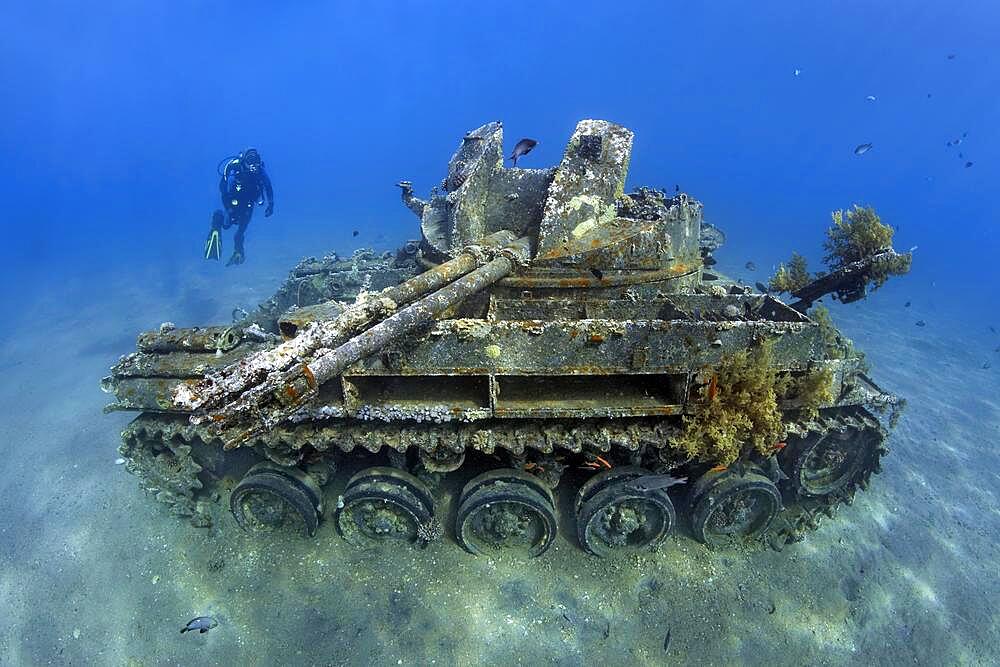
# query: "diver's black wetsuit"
{"points": [[244, 182]]}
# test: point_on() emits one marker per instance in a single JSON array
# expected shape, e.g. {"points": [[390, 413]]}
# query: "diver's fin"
{"points": [[213, 245]]}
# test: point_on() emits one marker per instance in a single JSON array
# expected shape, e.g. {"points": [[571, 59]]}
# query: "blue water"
{"points": [[114, 116], [113, 121]]}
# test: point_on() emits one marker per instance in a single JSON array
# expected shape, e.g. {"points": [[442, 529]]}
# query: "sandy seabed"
{"points": [[92, 571]]}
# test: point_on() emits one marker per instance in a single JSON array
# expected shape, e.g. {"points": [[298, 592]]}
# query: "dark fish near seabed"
{"points": [[906, 305], [355, 233], [666, 641], [776, 473], [202, 624], [921, 323], [597, 273], [750, 266], [523, 147], [986, 365], [861, 149], [968, 164], [654, 482], [762, 287]]}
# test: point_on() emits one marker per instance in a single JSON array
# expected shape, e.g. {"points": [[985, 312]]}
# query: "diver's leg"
{"points": [[238, 252], [237, 257], [240, 218], [213, 244], [238, 238]]}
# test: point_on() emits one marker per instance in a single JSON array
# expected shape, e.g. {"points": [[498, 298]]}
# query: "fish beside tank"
{"points": [[547, 330]]}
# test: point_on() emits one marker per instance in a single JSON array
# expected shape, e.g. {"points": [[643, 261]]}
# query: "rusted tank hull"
{"points": [[546, 327]]}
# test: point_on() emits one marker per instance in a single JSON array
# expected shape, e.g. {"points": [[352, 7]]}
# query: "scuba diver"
{"points": [[243, 184]]}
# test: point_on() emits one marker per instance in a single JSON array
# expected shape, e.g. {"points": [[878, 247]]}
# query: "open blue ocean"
{"points": [[119, 120]]}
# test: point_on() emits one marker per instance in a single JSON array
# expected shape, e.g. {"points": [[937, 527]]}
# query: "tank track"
{"points": [[170, 456], [158, 451], [805, 515], [288, 445]]}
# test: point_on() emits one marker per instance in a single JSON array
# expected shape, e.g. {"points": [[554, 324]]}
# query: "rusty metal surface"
{"points": [[181, 364], [259, 406], [583, 196], [409, 319], [613, 317], [153, 393], [292, 321], [218, 388], [194, 339], [590, 346], [335, 277], [479, 196]]}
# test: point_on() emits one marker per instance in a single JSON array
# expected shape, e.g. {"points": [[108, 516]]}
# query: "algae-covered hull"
{"points": [[545, 322]]}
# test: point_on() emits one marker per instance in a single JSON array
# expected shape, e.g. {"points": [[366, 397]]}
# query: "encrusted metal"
{"points": [[544, 320]]}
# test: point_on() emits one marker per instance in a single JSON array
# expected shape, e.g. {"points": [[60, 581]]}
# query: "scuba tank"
{"points": [[226, 160]]}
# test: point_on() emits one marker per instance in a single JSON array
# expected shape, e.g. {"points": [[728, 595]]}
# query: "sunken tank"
{"points": [[547, 333]]}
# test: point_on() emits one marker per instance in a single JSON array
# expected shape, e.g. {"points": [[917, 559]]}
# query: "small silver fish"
{"points": [[202, 624], [654, 482], [523, 147], [862, 149], [870, 98]]}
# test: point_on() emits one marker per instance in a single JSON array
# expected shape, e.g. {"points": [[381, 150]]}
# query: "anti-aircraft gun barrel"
{"points": [[849, 282], [420, 313], [281, 393], [217, 389]]}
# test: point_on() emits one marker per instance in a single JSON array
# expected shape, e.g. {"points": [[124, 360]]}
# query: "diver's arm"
{"points": [[265, 181], [226, 182]]}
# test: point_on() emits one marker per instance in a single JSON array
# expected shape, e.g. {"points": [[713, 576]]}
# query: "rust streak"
{"points": [[575, 282]]}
